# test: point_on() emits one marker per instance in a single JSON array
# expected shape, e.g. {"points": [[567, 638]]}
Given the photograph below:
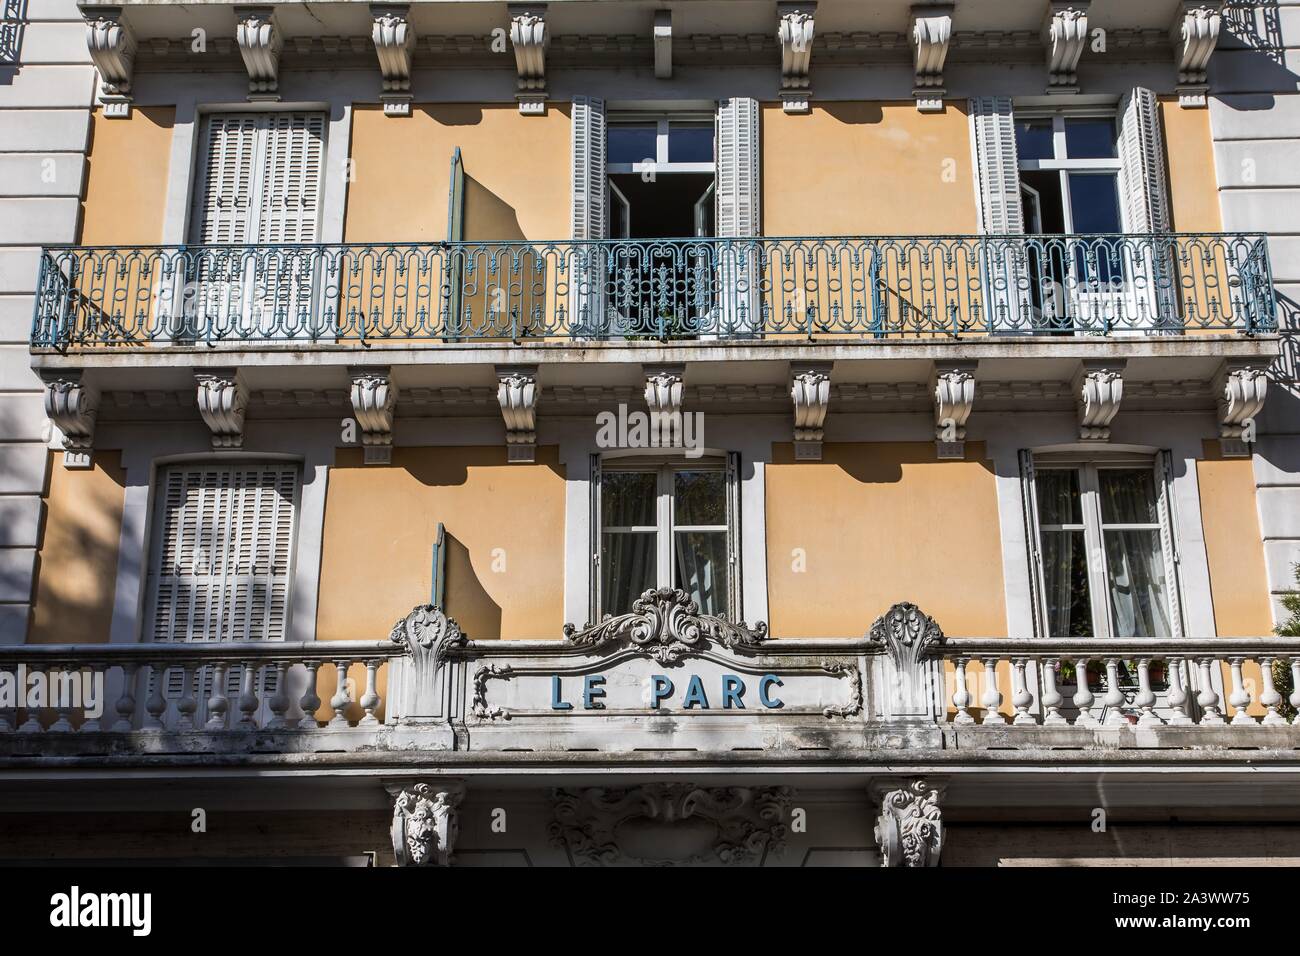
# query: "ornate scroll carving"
{"points": [[954, 397], [1241, 389], [374, 399], [795, 34], [112, 47], [529, 37], [909, 830], [670, 824], [930, 35], [667, 625], [810, 390], [426, 822], [907, 633], [73, 406], [1195, 34], [1098, 389], [1065, 32], [222, 401], [854, 704], [394, 39], [479, 706], [517, 393], [427, 634], [260, 43]]}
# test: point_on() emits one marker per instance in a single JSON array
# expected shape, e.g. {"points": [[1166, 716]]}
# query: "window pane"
{"points": [[700, 498], [1128, 496], [1136, 570], [627, 499], [627, 569], [632, 144], [690, 144], [1034, 140], [1065, 583], [1094, 203], [1090, 138], [1058, 497], [700, 568]]}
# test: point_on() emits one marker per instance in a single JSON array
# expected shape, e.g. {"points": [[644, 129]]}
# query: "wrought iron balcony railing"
{"points": [[861, 287]]}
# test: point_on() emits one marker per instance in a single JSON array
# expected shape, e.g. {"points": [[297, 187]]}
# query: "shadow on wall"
{"points": [[12, 25], [465, 597], [1256, 25]]}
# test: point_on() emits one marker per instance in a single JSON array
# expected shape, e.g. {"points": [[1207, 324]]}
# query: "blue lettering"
{"points": [[660, 687], [767, 681], [695, 694], [592, 688], [733, 689], [557, 701]]}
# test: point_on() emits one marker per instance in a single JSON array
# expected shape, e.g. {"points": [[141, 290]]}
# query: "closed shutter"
{"points": [[590, 217], [738, 213], [1142, 152], [222, 553], [997, 172]]}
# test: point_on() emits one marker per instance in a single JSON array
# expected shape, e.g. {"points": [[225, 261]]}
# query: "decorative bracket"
{"points": [[1065, 32], [260, 43], [394, 39], [426, 821], [663, 41], [664, 389], [930, 36], [1195, 34], [517, 393], [1098, 388], [529, 38], [222, 400], [112, 47], [427, 634], [73, 406], [810, 390], [1241, 388], [907, 633], [909, 830], [954, 397], [374, 399], [795, 33]]}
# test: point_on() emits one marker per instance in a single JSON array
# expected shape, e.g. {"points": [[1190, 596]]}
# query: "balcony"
{"points": [[751, 291]]}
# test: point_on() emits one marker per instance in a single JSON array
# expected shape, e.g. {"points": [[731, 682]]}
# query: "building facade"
{"points": [[706, 433]]}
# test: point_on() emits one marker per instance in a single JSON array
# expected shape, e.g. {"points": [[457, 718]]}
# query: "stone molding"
{"points": [[517, 394], [1241, 388], [394, 40], [954, 398], [112, 46], [810, 390], [1065, 33], [930, 36], [374, 400], [1098, 388], [795, 32], [426, 822], [530, 40], [260, 43], [1195, 34], [222, 401], [73, 407]]}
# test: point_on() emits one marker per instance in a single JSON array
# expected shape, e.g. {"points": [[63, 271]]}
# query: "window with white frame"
{"points": [[1069, 172], [1103, 547], [665, 524]]}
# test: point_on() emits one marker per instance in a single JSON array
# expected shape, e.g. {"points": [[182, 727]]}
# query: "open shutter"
{"points": [[738, 168], [1142, 152], [1005, 267], [1029, 502], [736, 609], [593, 479], [454, 322], [1169, 538], [590, 217]]}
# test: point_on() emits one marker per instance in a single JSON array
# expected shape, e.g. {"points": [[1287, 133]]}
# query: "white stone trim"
{"points": [[930, 34], [810, 390], [1098, 389], [954, 398], [517, 394], [1065, 33], [222, 400], [530, 38], [260, 41], [374, 400], [394, 39], [112, 46], [1195, 34], [795, 31]]}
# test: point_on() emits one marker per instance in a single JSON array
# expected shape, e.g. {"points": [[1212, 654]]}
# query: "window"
{"points": [[666, 525], [1069, 173], [1104, 549]]}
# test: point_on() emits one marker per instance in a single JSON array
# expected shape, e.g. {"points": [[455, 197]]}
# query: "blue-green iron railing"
{"points": [[865, 287]]}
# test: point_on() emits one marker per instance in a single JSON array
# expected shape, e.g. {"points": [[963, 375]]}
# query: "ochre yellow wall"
{"points": [[1194, 194], [1233, 545], [126, 177], [867, 169], [881, 523], [77, 562], [517, 180], [379, 530]]}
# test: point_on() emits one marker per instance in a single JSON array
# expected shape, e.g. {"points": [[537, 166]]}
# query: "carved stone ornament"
{"points": [[427, 634], [664, 390], [907, 633], [954, 397], [394, 40], [810, 390], [795, 34], [670, 824], [112, 47], [426, 822], [930, 35], [909, 830], [374, 399], [1065, 33], [260, 43], [667, 625], [1195, 34], [222, 401], [517, 394], [73, 406], [530, 39], [1098, 390], [1241, 390]]}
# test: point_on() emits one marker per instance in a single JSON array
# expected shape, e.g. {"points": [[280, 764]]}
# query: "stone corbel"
{"points": [[112, 47], [909, 829], [795, 33], [664, 389], [1098, 389], [426, 821], [529, 37], [930, 36], [810, 390], [222, 401], [394, 40], [374, 399], [73, 406], [1065, 32], [954, 397], [663, 41], [1241, 388], [260, 43], [517, 393], [1195, 34]]}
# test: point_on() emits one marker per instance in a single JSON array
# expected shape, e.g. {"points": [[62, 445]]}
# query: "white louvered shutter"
{"points": [[997, 172], [228, 164], [739, 181], [1142, 152], [1029, 506], [292, 171], [590, 216]]}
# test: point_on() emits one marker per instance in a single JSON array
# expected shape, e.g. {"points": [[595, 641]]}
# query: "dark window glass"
{"points": [[1034, 140], [1090, 138], [631, 144], [690, 144]]}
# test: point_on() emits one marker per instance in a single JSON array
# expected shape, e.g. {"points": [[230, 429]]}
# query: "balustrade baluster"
{"points": [[187, 704], [1146, 697], [1021, 698], [90, 724], [1240, 697], [1052, 699], [217, 702], [279, 701], [7, 722], [32, 725], [310, 701], [1270, 697], [1083, 697], [155, 705], [248, 702], [1208, 698], [340, 700], [125, 705], [992, 698], [1114, 699], [1179, 696], [370, 699], [58, 684], [961, 696]]}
